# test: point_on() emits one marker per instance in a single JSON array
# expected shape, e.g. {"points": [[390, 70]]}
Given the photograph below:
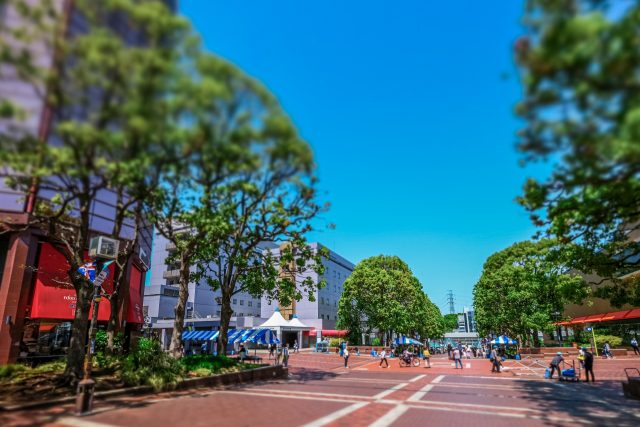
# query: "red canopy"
{"points": [[329, 333], [604, 317]]}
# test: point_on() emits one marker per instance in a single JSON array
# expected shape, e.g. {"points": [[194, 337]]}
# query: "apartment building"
{"points": [[323, 312]]}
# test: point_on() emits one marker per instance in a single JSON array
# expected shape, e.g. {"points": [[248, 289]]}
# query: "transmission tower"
{"points": [[452, 308]]}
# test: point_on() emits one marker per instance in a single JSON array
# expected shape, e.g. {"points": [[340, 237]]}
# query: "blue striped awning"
{"points": [[406, 340], [197, 335]]}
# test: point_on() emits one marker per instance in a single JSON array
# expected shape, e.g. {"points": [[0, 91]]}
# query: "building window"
{"points": [[250, 303], [322, 316], [217, 312], [235, 301], [241, 302], [241, 314], [322, 300]]}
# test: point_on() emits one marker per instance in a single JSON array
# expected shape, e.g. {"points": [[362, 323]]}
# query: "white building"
{"points": [[203, 310], [323, 312]]}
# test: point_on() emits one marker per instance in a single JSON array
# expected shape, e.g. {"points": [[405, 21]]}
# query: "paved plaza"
{"points": [[321, 392]]}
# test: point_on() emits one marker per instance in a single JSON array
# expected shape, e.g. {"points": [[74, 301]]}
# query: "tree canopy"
{"points": [[382, 295], [523, 290], [579, 62]]}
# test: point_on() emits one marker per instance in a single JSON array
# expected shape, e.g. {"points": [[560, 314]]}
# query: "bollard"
{"points": [[84, 398]]}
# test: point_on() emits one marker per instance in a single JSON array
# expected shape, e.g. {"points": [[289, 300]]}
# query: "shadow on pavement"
{"points": [[600, 403]]}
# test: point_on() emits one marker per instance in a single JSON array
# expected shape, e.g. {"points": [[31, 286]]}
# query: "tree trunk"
{"points": [[178, 325], [75, 356], [225, 318]]}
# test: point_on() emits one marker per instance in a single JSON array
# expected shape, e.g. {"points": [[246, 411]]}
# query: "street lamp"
{"points": [[104, 250]]}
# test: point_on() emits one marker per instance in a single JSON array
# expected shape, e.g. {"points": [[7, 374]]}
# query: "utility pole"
{"points": [[452, 309]]}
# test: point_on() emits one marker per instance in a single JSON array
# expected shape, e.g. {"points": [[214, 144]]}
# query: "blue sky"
{"points": [[409, 109]]}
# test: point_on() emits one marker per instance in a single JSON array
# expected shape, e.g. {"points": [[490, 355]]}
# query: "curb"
{"points": [[257, 374]]}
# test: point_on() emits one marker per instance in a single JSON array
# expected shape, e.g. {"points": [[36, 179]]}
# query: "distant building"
{"points": [[203, 306], [323, 312], [203, 303], [466, 321]]}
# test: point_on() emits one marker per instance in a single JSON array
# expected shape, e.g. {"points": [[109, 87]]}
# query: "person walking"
{"points": [[272, 350], [426, 355], [457, 357], [555, 364], [449, 350], [285, 355], [345, 354], [607, 350], [295, 346], [588, 364], [495, 361], [383, 358], [634, 345]]}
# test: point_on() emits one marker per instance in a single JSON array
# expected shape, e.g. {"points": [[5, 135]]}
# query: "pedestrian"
{"points": [[285, 356], [457, 357], [295, 346], [495, 361], [588, 364], [426, 355], [607, 350], [357, 351], [278, 355], [345, 354], [383, 358], [203, 348], [634, 345], [468, 351], [449, 350], [272, 350], [555, 364], [581, 356]]}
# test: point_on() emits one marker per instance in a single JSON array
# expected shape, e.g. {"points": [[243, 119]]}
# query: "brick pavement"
{"points": [[321, 392]]}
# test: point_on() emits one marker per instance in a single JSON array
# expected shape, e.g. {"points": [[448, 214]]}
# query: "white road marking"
{"points": [[438, 379], [335, 415], [418, 395], [80, 422], [419, 377], [386, 393], [390, 417]]}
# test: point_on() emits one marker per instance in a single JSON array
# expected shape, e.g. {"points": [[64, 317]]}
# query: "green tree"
{"points": [[524, 288], [579, 62], [382, 295], [268, 193], [105, 97], [450, 322]]}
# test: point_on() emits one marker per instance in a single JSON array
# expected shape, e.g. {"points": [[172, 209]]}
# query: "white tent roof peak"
{"points": [[295, 322], [275, 321]]}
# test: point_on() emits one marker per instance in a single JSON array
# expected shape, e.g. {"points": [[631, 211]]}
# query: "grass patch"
{"points": [[204, 365]]}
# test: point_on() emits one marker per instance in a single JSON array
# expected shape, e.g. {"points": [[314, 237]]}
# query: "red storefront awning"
{"points": [[604, 317]]}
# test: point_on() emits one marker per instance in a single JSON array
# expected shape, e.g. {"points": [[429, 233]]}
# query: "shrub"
{"points": [[334, 342], [376, 342], [212, 364], [7, 371], [101, 342], [148, 364], [613, 340]]}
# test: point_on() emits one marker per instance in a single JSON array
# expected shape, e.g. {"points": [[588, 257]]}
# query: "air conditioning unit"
{"points": [[103, 247]]}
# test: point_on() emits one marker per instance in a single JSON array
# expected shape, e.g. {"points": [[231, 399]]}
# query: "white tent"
{"points": [[279, 324], [296, 323], [276, 321]]}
